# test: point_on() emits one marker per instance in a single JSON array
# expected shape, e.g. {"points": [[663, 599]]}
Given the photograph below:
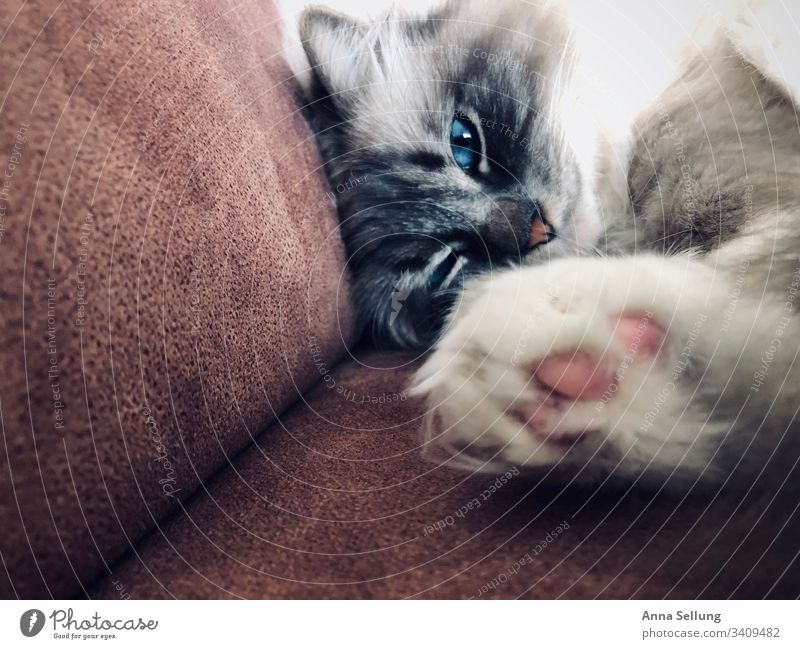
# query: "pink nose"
{"points": [[541, 232]]}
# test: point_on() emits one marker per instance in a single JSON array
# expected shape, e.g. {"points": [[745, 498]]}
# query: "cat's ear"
{"points": [[340, 52]]}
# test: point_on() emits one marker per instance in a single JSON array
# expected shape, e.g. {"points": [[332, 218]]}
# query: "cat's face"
{"points": [[454, 145]]}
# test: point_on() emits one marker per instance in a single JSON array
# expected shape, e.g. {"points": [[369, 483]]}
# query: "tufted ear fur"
{"points": [[341, 52], [765, 34]]}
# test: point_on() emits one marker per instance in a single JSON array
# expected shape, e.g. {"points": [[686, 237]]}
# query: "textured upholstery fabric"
{"points": [[171, 271], [335, 501]]}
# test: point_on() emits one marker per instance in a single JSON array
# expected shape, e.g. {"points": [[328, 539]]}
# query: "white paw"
{"points": [[569, 367]]}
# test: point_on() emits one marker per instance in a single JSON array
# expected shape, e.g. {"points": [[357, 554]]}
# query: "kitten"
{"points": [[389, 104], [486, 141]]}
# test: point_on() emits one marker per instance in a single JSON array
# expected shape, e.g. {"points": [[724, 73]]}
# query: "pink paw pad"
{"points": [[581, 376]]}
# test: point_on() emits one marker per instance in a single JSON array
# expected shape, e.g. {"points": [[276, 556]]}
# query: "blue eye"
{"points": [[465, 143]]}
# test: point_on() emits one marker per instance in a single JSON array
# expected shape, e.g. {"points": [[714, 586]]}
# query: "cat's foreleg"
{"points": [[644, 366]]}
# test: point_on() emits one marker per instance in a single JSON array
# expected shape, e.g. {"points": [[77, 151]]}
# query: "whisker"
{"points": [[582, 247]]}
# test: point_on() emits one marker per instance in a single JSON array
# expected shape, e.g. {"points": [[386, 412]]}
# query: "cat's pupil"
{"points": [[464, 143]]}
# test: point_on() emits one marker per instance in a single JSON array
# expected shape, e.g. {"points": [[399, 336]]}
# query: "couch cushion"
{"points": [[171, 270], [335, 501]]}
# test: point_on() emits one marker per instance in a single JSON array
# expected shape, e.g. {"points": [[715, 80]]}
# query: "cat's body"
{"points": [[670, 356]]}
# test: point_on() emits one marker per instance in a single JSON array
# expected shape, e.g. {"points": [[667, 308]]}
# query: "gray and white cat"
{"points": [[598, 228]]}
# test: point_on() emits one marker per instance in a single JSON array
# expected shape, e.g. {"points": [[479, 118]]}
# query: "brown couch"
{"points": [[183, 410]]}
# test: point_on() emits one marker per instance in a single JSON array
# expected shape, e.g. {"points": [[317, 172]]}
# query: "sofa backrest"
{"points": [[172, 275]]}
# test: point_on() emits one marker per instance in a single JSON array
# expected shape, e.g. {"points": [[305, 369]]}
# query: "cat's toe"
{"points": [[640, 333]]}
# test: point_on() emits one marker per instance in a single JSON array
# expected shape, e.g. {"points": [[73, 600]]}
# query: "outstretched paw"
{"points": [[566, 365]]}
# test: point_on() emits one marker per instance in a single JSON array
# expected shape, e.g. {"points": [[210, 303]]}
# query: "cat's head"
{"points": [[454, 144]]}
